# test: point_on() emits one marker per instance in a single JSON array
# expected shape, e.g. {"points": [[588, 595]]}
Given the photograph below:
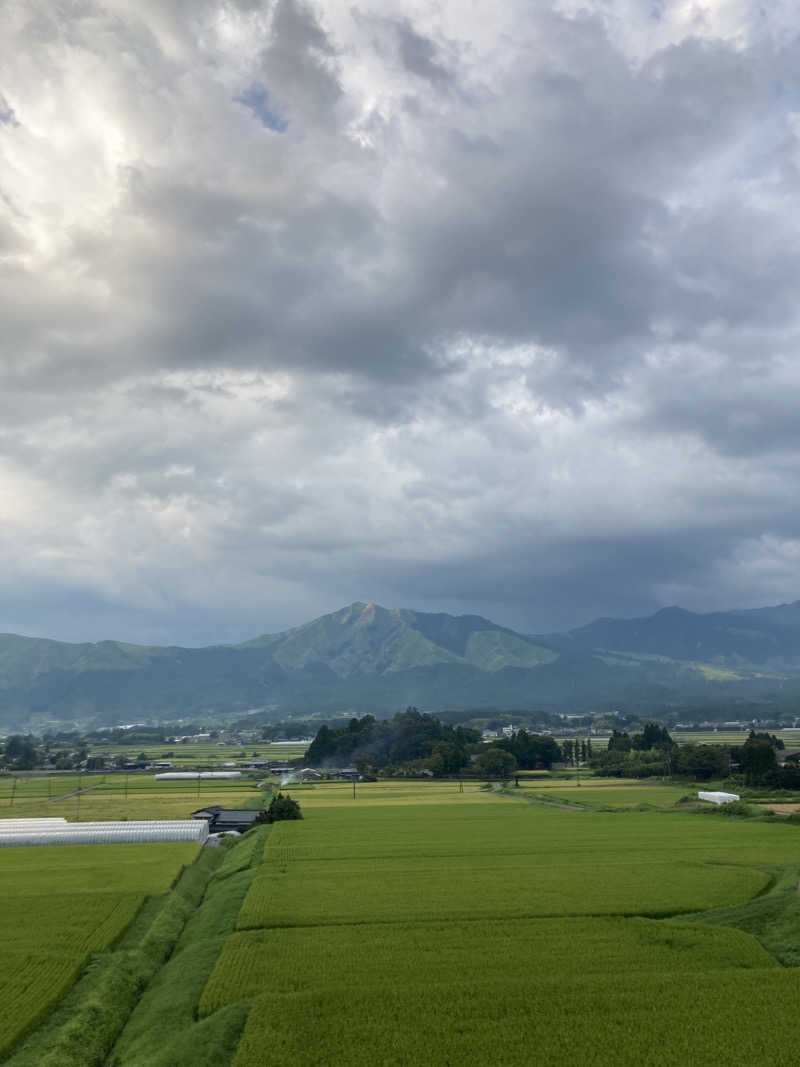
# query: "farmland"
{"points": [[61, 903], [414, 923], [119, 796], [208, 754], [446, 934], [721, 736]]}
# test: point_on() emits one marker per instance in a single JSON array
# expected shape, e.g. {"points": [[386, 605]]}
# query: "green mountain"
{"points": [[363, 655], [365, 639], [367, 658], [756, 638]]}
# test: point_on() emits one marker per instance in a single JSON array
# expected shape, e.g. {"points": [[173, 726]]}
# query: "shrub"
{"points": [[281, 807]]}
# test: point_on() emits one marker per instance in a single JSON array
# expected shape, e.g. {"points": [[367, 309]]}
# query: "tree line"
{"points": [[653, 753]]}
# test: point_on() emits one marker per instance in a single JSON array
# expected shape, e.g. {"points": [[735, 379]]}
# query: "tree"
{"points": [[321, 747], [281, 807], [654, 735], [447, 758], [619, 742], [756, 759], [20, 753], [531, 751], [702, 761], [764, 736], [364, 763], [495, 762]]}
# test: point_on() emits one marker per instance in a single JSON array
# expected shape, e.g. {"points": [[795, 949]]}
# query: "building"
{"points": [[223, 820]]}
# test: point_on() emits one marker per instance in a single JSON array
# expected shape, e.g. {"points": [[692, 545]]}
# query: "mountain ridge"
{"points": [[365, 656]]}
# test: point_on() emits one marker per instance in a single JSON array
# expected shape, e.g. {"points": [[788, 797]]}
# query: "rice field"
{"points": [[98, 797], [420, 925], [476, 927], [608, 793], [60, 904], [206, 753], [721, 736], [432, 953], [737, 1017], [353, 891]]}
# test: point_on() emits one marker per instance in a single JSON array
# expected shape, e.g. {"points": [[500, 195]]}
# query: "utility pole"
{"points": [[13, 792]]}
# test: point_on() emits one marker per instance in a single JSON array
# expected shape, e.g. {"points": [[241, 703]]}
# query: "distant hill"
{"points": [[753, 638], [365, 657]]}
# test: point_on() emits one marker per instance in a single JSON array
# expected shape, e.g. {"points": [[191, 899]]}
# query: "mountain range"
{"points": [[365, 657]]}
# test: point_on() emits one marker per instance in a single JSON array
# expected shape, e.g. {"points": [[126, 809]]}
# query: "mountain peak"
{"points": [[366, 615]]}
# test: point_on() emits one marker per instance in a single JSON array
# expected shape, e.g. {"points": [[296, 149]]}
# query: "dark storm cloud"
{"points": [[468, 309]]}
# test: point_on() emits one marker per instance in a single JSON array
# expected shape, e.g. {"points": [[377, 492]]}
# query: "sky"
{"points": [[456, 306]]}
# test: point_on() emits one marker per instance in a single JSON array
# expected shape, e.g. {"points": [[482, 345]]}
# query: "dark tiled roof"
{"points": [[239, 813]]}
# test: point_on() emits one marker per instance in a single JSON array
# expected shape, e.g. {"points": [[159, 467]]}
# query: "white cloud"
{"points": [[490, 308]]}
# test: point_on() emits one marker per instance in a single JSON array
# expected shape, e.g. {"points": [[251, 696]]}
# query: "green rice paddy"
{"points": [[59, 904], [415, 924]]}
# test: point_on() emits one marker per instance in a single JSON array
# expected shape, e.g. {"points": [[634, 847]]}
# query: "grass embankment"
{"points": [[772, 919], [164, 1029]]}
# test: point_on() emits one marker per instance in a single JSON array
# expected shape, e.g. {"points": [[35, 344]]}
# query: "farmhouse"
{"points": [[222, 820]]}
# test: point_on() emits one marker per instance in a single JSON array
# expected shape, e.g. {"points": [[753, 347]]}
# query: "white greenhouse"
{"points": [[106, 833], [7, 825], [719, 798], [172, 776]]}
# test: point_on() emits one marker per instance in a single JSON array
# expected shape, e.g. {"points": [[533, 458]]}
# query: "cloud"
{"points": [[484, 310]]}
